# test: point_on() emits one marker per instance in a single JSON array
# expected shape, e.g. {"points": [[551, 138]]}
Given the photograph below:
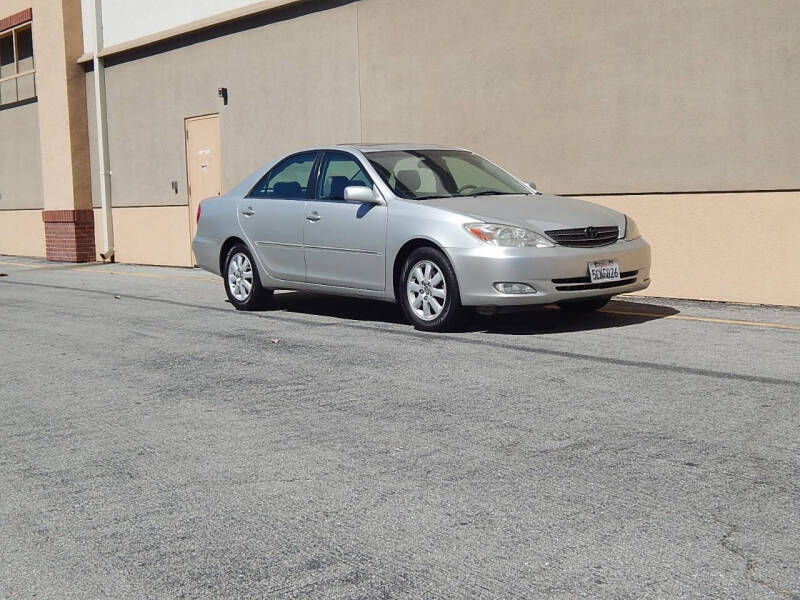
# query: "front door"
{"points": [[345, 242], [272, 216], [203, 164]]}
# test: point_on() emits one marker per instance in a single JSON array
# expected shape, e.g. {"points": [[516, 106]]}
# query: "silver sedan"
{"points": [[433, 228]]}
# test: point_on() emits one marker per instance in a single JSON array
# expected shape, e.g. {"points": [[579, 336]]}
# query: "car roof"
{"points": [[395, 147]]}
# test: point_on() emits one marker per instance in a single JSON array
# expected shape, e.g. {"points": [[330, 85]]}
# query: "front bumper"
{"points": [[479, 268]]}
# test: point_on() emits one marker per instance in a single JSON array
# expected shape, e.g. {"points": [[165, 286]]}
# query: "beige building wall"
{"points": [[44, 159], [291, 82], [593, 97], [20, 159], [153, 235], [648, 99], [22, 233], [57, 45], [731, 247], [21, 194]]}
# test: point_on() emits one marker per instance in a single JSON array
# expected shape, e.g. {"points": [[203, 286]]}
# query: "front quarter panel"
{"points": [[415, 220]]}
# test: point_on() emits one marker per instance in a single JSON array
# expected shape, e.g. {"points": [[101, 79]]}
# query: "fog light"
{"points": [[514, 288]]}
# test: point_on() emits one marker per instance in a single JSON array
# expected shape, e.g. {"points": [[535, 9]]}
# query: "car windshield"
{"points": [[421, 174]]}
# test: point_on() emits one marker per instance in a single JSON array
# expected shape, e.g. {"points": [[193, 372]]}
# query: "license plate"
{"points": [[603, 270]]}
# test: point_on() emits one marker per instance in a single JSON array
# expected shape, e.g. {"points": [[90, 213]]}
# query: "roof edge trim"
{"points": [[186, 28]]}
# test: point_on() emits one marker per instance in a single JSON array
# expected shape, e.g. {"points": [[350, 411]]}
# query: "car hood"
{"points": [[540, 212]]}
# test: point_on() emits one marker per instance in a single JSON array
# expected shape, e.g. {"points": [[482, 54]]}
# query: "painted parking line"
{"points": [[151, 275], [19, 264], [631, 313], [609, 311], [84, 268]]}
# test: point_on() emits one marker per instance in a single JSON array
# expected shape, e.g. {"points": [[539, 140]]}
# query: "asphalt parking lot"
{"points": [[156, 443]]}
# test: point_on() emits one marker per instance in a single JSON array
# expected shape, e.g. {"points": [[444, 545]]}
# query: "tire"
{"points": [[241, 268], [430, 302], [585, 305]]}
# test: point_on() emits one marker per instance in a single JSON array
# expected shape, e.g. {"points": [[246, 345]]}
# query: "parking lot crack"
{"points": [[751, 565]]}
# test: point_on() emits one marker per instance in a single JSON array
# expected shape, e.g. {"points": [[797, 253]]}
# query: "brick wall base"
{"points": [[69, 235]]}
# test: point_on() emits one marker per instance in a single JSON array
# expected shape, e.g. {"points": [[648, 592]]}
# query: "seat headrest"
{"points": [[338, 183], [409, 179], [288, 189]]}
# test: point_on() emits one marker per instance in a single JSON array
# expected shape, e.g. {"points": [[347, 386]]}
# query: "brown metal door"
{"points": [[203, 163]]}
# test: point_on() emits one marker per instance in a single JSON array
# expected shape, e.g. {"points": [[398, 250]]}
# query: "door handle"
{"points": [[248, 212], [313, 217]]}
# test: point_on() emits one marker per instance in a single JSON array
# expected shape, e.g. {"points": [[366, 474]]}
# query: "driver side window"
{"points": [[337, 172], [287, 180]]}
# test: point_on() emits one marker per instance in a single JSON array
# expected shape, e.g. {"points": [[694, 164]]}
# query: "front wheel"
{"points": [[584, 305], [428, 291], [242, 283]]}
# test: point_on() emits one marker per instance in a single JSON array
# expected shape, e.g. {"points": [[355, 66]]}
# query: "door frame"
{"points": [[192, 224], [335, 205]]}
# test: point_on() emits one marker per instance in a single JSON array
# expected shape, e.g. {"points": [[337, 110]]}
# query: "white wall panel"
{"points": [[126, 20]]}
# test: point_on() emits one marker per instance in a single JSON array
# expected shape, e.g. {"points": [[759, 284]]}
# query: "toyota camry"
{"points": [[433, 228]]}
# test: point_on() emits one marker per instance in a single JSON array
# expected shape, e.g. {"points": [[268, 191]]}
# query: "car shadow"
{"points": [[514, 321], [551, 319]]}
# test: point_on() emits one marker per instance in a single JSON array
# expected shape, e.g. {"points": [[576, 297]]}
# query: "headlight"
{"points": [[505, 236], [631, 229]]}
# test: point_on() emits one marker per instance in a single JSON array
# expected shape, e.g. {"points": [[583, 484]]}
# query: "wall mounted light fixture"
{"points": [[223, 93]]}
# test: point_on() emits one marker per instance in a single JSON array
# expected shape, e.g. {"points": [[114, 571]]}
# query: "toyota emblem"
{"points": [[590, 232]]}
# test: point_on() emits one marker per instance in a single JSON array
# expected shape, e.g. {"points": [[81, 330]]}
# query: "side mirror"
{"points": [[533, 185], [362, 193]]}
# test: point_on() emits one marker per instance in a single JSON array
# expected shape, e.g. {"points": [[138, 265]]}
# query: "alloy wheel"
{"points": [[426, 290], [240, 276]]}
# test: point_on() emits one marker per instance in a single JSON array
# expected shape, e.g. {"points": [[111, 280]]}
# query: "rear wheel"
{"points": [[584, 305], [242, 283], [428, 291]]}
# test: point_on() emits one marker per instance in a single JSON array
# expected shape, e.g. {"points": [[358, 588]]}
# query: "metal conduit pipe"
{"points": [[102, 136]]}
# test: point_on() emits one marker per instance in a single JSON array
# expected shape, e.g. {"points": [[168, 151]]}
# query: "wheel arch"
{"points": [[226, 246], [404, 252]]}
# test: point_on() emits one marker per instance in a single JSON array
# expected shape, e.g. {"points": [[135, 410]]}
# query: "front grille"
{"points": [[584, 237], [577, 284]]}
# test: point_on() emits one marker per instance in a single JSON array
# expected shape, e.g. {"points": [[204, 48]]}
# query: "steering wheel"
{"points": [[466, 187]]}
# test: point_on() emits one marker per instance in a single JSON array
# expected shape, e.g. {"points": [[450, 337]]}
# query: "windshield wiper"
{"points": [[485, 193]]}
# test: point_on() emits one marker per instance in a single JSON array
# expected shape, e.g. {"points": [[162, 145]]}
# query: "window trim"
{"points": [[13, 32], [311, 178], [318, 183]]}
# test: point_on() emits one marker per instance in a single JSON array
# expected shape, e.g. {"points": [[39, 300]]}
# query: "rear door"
{"points": [[345, 242], [273, 213]]}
